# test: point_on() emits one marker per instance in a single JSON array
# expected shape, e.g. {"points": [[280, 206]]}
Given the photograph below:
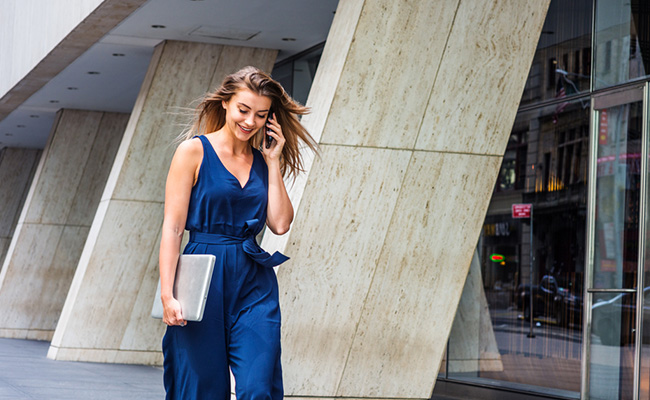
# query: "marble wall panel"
{"points": [[149, 148], [106, 304], [320, 100], [18, 313], [54, 278], [323, 286], [144, 332], [233, 59], [57, 215], [414, 293], [62, 171], [482, 75], [98, 166], [389, 72]]}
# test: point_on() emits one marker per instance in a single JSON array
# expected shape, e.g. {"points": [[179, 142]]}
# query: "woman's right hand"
{"points": [[172, 314]]}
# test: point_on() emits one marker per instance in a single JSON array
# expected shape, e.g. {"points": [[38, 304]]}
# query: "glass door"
{"points": [[614, 295]]}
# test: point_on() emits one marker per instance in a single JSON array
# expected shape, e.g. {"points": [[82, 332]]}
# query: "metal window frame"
{"points": [[617, 94]]}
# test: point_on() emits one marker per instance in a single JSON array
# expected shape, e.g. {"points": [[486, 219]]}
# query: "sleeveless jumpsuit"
{"points": [[241, 323]]}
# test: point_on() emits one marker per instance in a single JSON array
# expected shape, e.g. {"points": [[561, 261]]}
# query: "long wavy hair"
{"points": [[210, 116]]}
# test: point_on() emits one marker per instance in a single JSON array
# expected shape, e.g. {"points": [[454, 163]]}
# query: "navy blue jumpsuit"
{"points": [[241, 323]]}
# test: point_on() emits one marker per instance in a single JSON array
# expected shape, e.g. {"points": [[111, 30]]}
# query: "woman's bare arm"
{"points": [[180, 179]]}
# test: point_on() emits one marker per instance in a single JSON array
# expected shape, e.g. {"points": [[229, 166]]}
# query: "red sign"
{"points": [[521, 210]]}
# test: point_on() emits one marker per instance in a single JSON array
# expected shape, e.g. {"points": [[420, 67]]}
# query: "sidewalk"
{"points": [[26, 373]]}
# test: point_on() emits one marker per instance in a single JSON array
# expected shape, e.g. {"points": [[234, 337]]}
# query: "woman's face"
{"points": [[246, 112]]}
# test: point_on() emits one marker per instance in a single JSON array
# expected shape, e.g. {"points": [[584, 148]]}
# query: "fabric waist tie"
{"points": [[249, 245]]}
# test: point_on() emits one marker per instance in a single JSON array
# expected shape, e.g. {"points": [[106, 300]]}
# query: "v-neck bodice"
{"points": [[218, 202]]}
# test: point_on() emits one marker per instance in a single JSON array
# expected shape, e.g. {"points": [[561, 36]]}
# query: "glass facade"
{"points": [[297, 73], [556, 303], [622, 41]]}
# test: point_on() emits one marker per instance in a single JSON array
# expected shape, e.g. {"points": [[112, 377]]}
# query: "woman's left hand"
{"points": [[274, 130]]}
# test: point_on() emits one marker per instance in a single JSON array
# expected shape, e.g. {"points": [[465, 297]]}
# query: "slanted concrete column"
{"points": [[55, 220], [413, 104], [17, 168], [106, 317]]}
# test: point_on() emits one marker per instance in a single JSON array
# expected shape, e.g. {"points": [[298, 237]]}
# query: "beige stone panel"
{"points": [[319, 101], [54, 278], [22, 277], [17, 168], [62, 170], [482, 75], [420, 275], [333, 259], [472, 344], [235, 58], [29, 334], [389, 72], [145, 153], [109, 277], [97, 167], [144, 332], [39, 276]]}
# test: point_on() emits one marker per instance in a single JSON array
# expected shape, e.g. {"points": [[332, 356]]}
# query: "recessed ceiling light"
{"points": [[158, 26], [93, 72], [289, 39], [20, 126], [118, 54], [72, 88], [54, 101], [9, 134], [33, 116]]}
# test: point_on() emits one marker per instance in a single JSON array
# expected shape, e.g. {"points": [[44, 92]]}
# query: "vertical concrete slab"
{"points": [[17, 167], [115, 282], [55, 221], [369, 300]]}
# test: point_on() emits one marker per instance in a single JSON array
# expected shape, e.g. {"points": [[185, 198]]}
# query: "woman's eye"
{"points": [[242, 111]]}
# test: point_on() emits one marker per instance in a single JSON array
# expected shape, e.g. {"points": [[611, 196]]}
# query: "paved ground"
{"points": [[26, 373]]}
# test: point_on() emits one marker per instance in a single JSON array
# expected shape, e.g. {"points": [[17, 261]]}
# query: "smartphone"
{"points": [[268, 138]]}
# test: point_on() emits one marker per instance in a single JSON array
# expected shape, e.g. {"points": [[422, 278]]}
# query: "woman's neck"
{"points": [[229, 142]]}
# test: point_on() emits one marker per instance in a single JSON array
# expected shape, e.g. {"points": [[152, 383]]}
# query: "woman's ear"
{"points": [[224, 104]]}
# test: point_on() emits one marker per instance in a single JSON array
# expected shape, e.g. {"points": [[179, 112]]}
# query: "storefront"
{"points": [[562, 309]]}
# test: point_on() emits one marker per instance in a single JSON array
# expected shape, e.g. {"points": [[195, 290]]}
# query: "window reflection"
{"points": [[618, 188], [546, 164], [611, 370], [622, 40], [562, 63], [297, 73]]}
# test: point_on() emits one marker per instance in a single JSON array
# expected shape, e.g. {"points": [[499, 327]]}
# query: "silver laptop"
{"points": [[191, 285]]}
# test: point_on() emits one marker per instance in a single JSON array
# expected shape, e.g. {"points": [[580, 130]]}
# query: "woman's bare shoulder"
{"points": [[189, 152]]}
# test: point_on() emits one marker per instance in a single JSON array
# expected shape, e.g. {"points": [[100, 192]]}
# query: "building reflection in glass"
{"points": [[545, 164]]}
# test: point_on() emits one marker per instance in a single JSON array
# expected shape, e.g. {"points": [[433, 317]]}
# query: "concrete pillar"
{"points": [[17, 168], [115, 282], [413, 104], [472, 344], [55, 220]]}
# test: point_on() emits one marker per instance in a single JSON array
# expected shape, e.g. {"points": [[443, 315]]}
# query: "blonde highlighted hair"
{"points": [[210, 116]]}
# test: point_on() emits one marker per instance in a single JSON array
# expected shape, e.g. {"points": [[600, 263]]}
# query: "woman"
{"points": [[222, 189]]}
